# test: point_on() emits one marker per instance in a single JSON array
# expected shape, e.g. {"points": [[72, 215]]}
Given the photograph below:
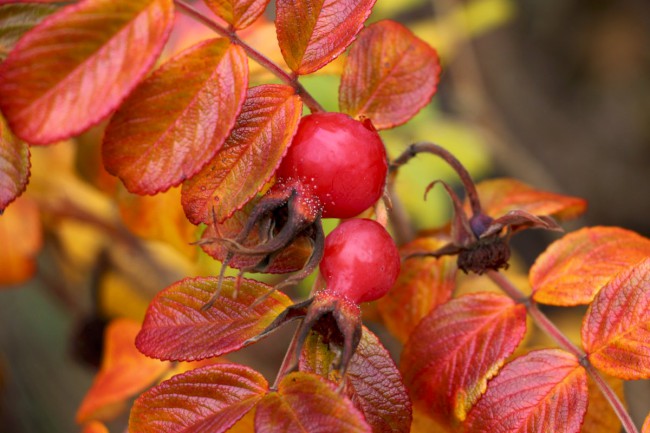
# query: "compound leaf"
{"points": [[263, 132], [77, 65], [389, 75], [616, 328], [207, 399], [542, 391], [124, 372], [456, 349], [238, 13], [14, 166], [305, 402], [177, 328], [423, 284], [373, 382], [573, 269], [312, 33], [178, 118]]}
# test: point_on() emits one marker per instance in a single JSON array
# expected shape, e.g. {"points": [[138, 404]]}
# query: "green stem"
{"points": [[545, 324], [290, 79]]}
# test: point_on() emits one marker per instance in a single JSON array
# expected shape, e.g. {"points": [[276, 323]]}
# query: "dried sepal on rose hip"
{"points": [[360, 264], [480, 241], [336, 167]]}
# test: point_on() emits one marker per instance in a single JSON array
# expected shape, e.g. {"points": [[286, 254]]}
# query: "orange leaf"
{"points": [[208, 399], [371, 364], [263, 132], [76, 67], [124, 372], [148, 143], [616, 328], [312, 33], [159, 217], [305, 402], [500, 196], [95, 427], [21, 237], [389, 75], [542, 391], [238, 13], [600, 416], [177, 328], [573, 269], [423, 284], [646, 425], [456, 349], [14, 166]]}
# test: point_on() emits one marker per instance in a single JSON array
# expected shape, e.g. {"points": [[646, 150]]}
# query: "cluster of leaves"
{"points": [[196, 122]]}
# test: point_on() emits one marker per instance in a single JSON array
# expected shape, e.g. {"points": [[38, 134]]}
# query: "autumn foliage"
{"points": [[193, 126]]}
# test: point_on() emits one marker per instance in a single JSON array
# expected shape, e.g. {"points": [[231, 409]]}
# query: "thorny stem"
{"points": [[290, 79], [545, 324], [450, 159]]}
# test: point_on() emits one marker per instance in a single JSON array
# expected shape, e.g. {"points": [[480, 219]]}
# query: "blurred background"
{"points": [[555, 93]]}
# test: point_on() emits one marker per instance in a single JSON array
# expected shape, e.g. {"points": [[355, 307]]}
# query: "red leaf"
{"points": [[312, 33], [77, 66], [290, 259], [372, 382], [616, 329], [307, 403], [208, 399], [178, 118], [21, 238], [573, 269], [176, 328], [263, 132], [14, 166], [389, 75], [238, 13], [543, 391], [500, 196], [456, 349], [124, 373], [423, 284]]}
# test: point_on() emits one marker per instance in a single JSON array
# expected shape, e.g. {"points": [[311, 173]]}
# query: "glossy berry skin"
{"points": [[341, 160], [360, 262]]}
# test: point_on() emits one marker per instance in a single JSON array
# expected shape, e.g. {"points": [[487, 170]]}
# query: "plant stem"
{"points": [[545, 324], [290, 79], [466, 179]]}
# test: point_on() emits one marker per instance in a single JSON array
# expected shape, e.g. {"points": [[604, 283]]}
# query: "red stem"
{"points": [[466, 179], [549, 328], [290, 79]]}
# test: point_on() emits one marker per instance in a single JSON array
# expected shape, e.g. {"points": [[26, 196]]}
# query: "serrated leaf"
{"points": [[14, 166], [389, 75], [543, 391], [176, 327], [208, 399], [373, 382], [16, 20], [502, 195], [290, 259], [263, 132], [573, 269], [238, 13], [159, 217], [423, 284], [616, 328], [124, 373], [76, 66], [312, 33], [178, 118], [21, 238], [456, 349], [305, 402], [600, 416]]}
